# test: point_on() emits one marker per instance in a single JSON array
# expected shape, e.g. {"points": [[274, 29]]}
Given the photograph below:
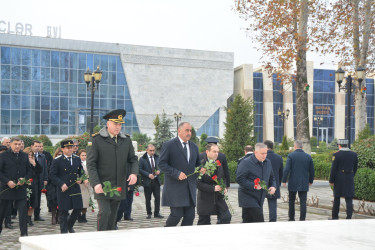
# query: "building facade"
{"points": [[42, 88], [324, 101]]}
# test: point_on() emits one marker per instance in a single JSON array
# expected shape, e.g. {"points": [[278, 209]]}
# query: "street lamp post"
{"points": [[177, 118], [349, 87], [318, 120], [283, 116], [92, 80]]}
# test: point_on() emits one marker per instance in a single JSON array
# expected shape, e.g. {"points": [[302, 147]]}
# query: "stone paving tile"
{"points": [[9, 238]]}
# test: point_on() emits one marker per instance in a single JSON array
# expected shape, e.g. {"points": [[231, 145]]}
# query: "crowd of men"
{"points": [[111, 159]]}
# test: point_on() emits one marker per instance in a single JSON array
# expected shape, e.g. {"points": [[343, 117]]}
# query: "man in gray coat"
{"points": [[299, 168], [110, 157], [178, 159]]}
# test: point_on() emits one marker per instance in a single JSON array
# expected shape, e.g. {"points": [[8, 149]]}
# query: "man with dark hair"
{"points": [[75, 146], [248, 150], [111, 158], [14, 169], [64, 172], [250, 194], [300, 170], [344, 167], [178, 159], [277, 167], [149, 169], [42, 179]]}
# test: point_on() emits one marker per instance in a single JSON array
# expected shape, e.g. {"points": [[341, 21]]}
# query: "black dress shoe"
{"points": [[14, 216], [130, 218], [38, 219], [148, 216], [159, 216], [71, 230], [9, 226], [23, 235]]}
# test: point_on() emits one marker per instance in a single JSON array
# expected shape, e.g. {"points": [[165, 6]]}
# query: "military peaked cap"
{"points": [[66, 143], [116, 116], [212, 140]]}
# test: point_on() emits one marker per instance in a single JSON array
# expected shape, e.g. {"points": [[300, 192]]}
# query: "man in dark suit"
{"points": [[344, 167], [251, 195], [64, 172], [277, 167], [178, 158], [14, 166], [42, 180], [248, 150], [299, 168], [148, 168]]}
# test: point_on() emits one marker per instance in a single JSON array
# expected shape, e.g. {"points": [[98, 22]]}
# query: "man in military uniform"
{"points": [[344, 167], [110, 157], [248, 150], [65, 170], [14, 166]]}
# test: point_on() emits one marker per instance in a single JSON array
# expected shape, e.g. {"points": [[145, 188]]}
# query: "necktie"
{"points": [[185, 149], [152, 164], [115, 139], [70, 160]]}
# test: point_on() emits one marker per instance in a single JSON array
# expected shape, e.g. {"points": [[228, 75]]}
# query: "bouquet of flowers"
{"points": [[112, 191], [262, 184], [23, 181], [223, 187], [210, 167]]}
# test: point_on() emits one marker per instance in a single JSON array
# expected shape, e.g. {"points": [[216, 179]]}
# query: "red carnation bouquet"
{"points": [[221, 183], [112, 191], [262, 184]]}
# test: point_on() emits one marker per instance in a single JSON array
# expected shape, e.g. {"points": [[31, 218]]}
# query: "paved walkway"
{"points": [[320, 190]]}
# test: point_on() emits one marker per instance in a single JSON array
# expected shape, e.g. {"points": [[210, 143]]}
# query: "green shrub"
{"points": [[313, 141], [203, 143], [364, 182], [322, 170], [45, 140], [26, 139], [284, 144], [232, 165], [333, 145], [365, 132], [49, 149], [366, 152], [322, 145]]}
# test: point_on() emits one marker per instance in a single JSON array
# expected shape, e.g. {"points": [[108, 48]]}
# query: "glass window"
{"points": [[55, 117], [129, 106], [35, 88], [15, 102], [25, 115], [15, 129], [72, 89], [63, 89], [36, 57], [35, 74], [73, 58], [26, 57], [64, 60], [54, 129], [45, 88], [26, 103], [46, 58], [121, 79], [55, 103], [63, 130], [73, 103], [54, 75], [35, 117], [119, 65], [104, 63], [112, 78], [127, 93], [120, 92], [5, 72], [44, 117], [112, 63], [5, 86], [45, 74], [26, 73], [82, 102], [5, 116], [26, 87], [97, 62], [15, 56], [5, 55], [82, 61], [15, 87], [25, 129], [73, 76], [55, 59], [45, 130], [64, 118], [103, 91], [120, 105], [16, 72], [81, 90], [45, 102], [15, 118], [89, 62], [55, 86], [104, 78], [35, 103], [64, 75], [64, 103], [5, 101]]}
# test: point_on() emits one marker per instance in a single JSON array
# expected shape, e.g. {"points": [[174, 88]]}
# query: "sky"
{"points": [[189, 24]]}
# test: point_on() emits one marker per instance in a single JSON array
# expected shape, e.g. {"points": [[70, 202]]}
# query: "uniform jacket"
{"points": [[223, 160], [344, 167], [299, 168], [110, 161], [244, 157], [277, 167], [62, 171], [12, 169], [248, 170], [172, 162], [208, 200], [145, 169]]}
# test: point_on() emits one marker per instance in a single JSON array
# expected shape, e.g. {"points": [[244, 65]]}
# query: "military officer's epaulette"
{"points": [[93, 135], [127, 135], [58, 156]]}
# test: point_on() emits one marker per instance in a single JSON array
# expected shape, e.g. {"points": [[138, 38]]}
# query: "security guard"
{"points": [[344, 167], [110, 157], [65, 170]]}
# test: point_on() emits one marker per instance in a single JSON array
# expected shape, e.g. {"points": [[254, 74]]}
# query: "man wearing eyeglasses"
{"points": [[75, 147]]}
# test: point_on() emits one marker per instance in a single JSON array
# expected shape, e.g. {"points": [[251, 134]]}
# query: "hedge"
{"points": [[364, 183]]}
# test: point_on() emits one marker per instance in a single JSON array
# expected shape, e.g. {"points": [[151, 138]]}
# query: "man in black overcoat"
{"points": [[277, 167], [14, 166], [64, 173], [149, 169], [344, 167], [179, 157]]}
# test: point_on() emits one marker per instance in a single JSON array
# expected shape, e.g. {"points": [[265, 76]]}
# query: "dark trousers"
{"points": [[336, 208], [224, 217], [8, 213], [302, 199], [188, 214], [272, 208], [21, 207], [155, 190], [252, 214], [125, 208], [66, 221], [38, 195], [107, 214]]}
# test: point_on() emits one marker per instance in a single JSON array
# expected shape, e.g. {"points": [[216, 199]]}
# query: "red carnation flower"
{"points": [[44, 191], [137, 194], [119, 189], [92, 210], [31, 180], [256, 181], [218, 163], [57, 207], [214, 177]]}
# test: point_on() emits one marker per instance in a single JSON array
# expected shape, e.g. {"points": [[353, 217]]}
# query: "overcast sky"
{"points": [[189, 24]]}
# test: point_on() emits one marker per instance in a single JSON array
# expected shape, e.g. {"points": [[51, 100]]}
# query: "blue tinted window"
{"points": [[89, 62], [44, 117], [5, 55], [15, 56], [73, 58], [16, 72], [15, 88], [5, 101], [26, 73], [45, 74], [26, 88], [35, 57], [26, 57], [121, 79], [64, 75], [82, 61], [35, 103], [35, 74], [112, 63], [26, 102], [55, 87], [55, 59], [45, 102], [55, 75], [55, 117], [35, 88], [45, 58], [104, 63], [64, 59], [64, 118], [64, 103], [5, 72], [54, 103]]}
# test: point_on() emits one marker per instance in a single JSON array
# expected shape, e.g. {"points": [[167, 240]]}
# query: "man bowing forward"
{"points": [[178, 159]]}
